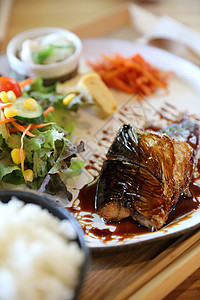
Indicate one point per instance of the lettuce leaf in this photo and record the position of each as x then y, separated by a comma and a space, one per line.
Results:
49, 153
75, 169
47, 96
9, 172
38, 86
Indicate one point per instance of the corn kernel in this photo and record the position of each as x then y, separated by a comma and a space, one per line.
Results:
4, 97
30, 104
10, 112
11, 96
68, 99
28, 175
15, 155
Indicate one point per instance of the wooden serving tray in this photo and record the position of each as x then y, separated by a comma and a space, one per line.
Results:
151, 271
147, 272
5, 8
125, 22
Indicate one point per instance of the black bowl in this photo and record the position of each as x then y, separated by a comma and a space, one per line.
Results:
59, 212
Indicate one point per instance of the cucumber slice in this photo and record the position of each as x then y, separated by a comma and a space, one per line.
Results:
27, 116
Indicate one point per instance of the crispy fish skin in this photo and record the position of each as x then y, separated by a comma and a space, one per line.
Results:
188, 132
144, 175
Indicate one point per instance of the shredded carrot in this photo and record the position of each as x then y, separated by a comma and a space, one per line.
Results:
8, 132
120, 84
33, 126
5, 105
23, 129
48, 110
132, 75
3, 120
25, 82
7, 129
21, 148
14, 129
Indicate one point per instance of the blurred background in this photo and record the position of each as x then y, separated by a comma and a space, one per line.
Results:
110, 18
19, 15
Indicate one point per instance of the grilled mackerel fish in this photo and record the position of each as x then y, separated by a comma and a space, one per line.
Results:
146, 172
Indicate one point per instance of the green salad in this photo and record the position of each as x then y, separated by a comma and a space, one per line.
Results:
35, 132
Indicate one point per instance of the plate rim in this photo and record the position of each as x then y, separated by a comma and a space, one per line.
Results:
180, 61
173, 57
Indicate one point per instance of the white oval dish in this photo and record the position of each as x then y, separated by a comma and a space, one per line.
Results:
48, 71
184, 94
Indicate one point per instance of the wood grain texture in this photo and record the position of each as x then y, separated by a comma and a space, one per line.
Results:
109, 271
144, 272
67, 14
5, 10
188, 289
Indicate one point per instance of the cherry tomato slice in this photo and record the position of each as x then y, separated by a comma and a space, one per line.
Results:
10, 84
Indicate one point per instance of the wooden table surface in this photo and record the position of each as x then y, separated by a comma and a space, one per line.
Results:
67, 14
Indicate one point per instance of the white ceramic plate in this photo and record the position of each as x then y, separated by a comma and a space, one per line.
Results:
184, 94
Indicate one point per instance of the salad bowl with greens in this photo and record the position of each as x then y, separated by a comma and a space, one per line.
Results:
35, 145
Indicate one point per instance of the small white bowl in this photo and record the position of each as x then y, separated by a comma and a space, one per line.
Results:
59, 70
61, 213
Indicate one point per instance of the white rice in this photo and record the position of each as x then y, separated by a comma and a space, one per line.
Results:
37, 259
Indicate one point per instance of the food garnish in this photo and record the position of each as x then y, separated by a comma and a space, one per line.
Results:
10, 84
34, 149
105, 102
47, 49
132, 75
152, 171
25, 82
50, 97
41, 56
94, 89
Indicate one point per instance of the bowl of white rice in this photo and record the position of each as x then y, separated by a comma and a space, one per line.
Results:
43, 254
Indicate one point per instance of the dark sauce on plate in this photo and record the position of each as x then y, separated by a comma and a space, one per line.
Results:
128, 227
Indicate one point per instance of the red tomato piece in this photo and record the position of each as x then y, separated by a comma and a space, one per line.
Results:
10, 84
